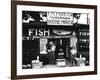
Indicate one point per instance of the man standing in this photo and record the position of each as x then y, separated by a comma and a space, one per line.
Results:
73, 55
51, 52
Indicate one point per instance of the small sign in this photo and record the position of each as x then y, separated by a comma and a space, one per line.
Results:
59, 18
43, 43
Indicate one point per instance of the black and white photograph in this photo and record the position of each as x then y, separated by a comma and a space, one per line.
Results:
52, 40
55, 39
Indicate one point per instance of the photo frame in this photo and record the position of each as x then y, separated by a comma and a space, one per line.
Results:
52, 39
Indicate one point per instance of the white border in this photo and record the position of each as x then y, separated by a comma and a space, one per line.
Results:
21, 71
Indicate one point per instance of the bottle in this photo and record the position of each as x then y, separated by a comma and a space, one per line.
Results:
37, 61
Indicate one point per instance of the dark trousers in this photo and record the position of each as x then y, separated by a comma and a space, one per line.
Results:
73, 61
52, 57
